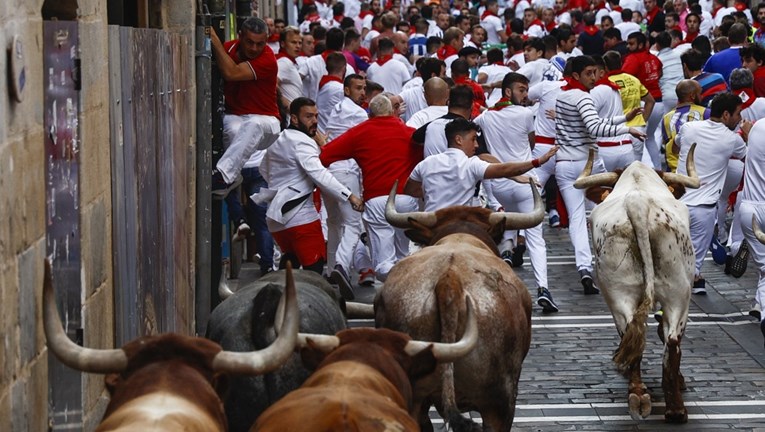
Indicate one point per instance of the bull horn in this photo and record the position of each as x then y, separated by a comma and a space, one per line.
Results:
359, 310
224, 291
401, 220
325, 343
692, 179
587, 180
522, 220
69, 353
757, 231
268, 359
449, 352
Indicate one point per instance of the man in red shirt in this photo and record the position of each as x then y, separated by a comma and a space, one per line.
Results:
646, 67
251, 122
461, 76
383, 148
753, 58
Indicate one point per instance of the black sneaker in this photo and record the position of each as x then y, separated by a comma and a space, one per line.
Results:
340, 277
589, 285
517, 257
221, 189
507, 257
699, 287
658, 315
736, 265
762, 328
756, 311
545, 300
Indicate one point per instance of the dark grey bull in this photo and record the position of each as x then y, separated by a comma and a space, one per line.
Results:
245, 320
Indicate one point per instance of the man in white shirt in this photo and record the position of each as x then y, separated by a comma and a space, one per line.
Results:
292, 168
437, 95
453, 43
315, 67
495, 70
532, 25
493, 24
330, 88
536, 63
715, 143
389, 73
627, 27
742, 84
672, 70
616, 153
432, 134
414, 96
344, 225
508, 128
290, 83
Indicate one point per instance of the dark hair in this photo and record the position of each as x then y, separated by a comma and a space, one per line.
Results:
461, 96
640, 37
460, 67
579, 63
433, 41
675, 34
693, 59
349, 79
675, 16
318, 32
336, 63
722, 103
516, 25
385, 44
254, 25
535, 43
458, 126
612, 60
431, 67
427, 12
494, 55
374, 87
421, 26
576, 15
347, 23
551, 44
664, 40
351, 35
607, 18
598, 61
737, 34
512, 78
627, 15
589, 19
461, 18
516, 42
612, 33
280, 21
693, 14
338, 8
563, 34
755, 52
335, 39
299, 103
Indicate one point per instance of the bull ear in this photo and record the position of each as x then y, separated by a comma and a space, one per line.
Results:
597, 194
419, 233
312, 355
496, 231
112, 381
422, 364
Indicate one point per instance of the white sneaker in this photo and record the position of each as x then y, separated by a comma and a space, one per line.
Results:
242, 231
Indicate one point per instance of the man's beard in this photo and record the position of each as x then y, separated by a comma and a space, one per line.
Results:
311, 132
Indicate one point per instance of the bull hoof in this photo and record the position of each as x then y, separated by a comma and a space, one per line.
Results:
676, 416
640, 406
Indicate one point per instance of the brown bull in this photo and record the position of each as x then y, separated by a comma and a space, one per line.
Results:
362, 380
424, 297
167, 382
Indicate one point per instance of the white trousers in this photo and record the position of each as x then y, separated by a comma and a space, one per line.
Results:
732, 180
651, 144
547, 169
744, 216
702, 228
517, 197
344, 225
247, 134
387, 244
566, 173
617, 157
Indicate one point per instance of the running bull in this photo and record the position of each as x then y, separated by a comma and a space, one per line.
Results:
643, 254
362, 380
424, 296
169, 381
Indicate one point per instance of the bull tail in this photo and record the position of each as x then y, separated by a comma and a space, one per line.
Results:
451, 306
633, 341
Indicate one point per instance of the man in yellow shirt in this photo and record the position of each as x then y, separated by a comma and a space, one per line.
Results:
688, 108
633, 92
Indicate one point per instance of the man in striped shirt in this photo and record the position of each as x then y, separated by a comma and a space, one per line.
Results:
576, 125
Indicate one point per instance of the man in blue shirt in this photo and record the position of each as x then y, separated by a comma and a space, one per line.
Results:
726, 60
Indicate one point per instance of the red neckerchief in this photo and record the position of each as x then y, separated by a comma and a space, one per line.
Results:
740, 6
274, 37
690, 37
329, 78
759, 72
747, 96
715, 10
550, 26
614, 72
616, 8
572, 84
445, 52
313, 17
607, 82
650, 15
338, 18
284, 54
537, 22
487, 13
384, 59
500, 63
326, 54
501, 103
365, 13
677, 27
591, 30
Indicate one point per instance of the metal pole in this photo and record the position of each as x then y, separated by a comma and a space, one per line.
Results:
203, 275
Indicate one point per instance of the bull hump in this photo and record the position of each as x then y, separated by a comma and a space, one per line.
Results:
160, 411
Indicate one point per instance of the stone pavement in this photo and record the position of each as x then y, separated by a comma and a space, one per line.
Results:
569, 382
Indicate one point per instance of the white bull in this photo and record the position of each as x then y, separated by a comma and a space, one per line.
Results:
643, 254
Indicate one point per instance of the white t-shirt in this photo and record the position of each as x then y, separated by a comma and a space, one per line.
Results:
754, 172
546, 93
627, 28
311, 70
414, 98
290, 83
426, 115
329, 95
392, 75
534, 70
507, 132
715, 145
449, 178
756, 110
608, 104
344, 116
493, 25
414, 82
435, 137
494, 73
